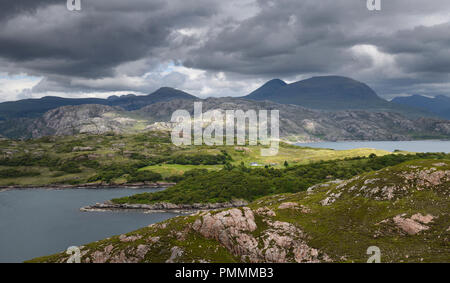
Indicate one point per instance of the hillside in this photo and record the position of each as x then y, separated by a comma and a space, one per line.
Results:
296, 123
72, 120
267, 91
33, 108
247, 183
402, 210
137, 102
301, 124
329, 93
439, 105
134, 159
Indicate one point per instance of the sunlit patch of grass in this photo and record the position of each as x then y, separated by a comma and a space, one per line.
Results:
167, 170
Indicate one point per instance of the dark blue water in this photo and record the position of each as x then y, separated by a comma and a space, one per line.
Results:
414, 146
39, 222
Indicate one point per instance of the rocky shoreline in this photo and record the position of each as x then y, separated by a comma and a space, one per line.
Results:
91, 186
162, 207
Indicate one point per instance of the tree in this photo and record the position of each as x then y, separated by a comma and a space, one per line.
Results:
286, 164
228, 166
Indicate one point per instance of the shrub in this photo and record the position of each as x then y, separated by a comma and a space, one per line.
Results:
70, 167
14, 173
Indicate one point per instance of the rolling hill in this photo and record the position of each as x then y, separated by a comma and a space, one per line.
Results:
32, 108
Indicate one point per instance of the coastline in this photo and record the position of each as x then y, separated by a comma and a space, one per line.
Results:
162, 207
90, 186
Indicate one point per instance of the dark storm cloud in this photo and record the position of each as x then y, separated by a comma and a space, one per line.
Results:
288, 38
285, 38
9, 9
402, 49
97, 39
305, 36
422, 49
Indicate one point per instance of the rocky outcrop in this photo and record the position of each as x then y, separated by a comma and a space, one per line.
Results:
424, 179
413, 225
88, 119
109, 255
286, 205
423, 219
295, 206
176, 253
376, 186
408, 225
161, 126
279, 242
163, 206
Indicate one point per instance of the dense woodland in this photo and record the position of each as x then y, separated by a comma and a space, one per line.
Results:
241, 182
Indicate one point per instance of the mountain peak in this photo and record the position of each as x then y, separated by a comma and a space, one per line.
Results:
275, 82
322, 92
165, 88
267, 89
323, 82
168, 92
332, 77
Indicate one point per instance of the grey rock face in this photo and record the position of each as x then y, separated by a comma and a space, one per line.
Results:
92, 119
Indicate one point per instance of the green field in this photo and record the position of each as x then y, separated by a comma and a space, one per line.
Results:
116, 159
167, 170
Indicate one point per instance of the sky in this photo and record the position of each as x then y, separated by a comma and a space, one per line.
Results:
220, 48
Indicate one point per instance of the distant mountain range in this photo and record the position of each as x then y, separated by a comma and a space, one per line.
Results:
32, 108
320, 108
439, 105
332, 93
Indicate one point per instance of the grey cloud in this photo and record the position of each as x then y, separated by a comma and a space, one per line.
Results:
261, 40
10, 9
321, 37
91, 43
